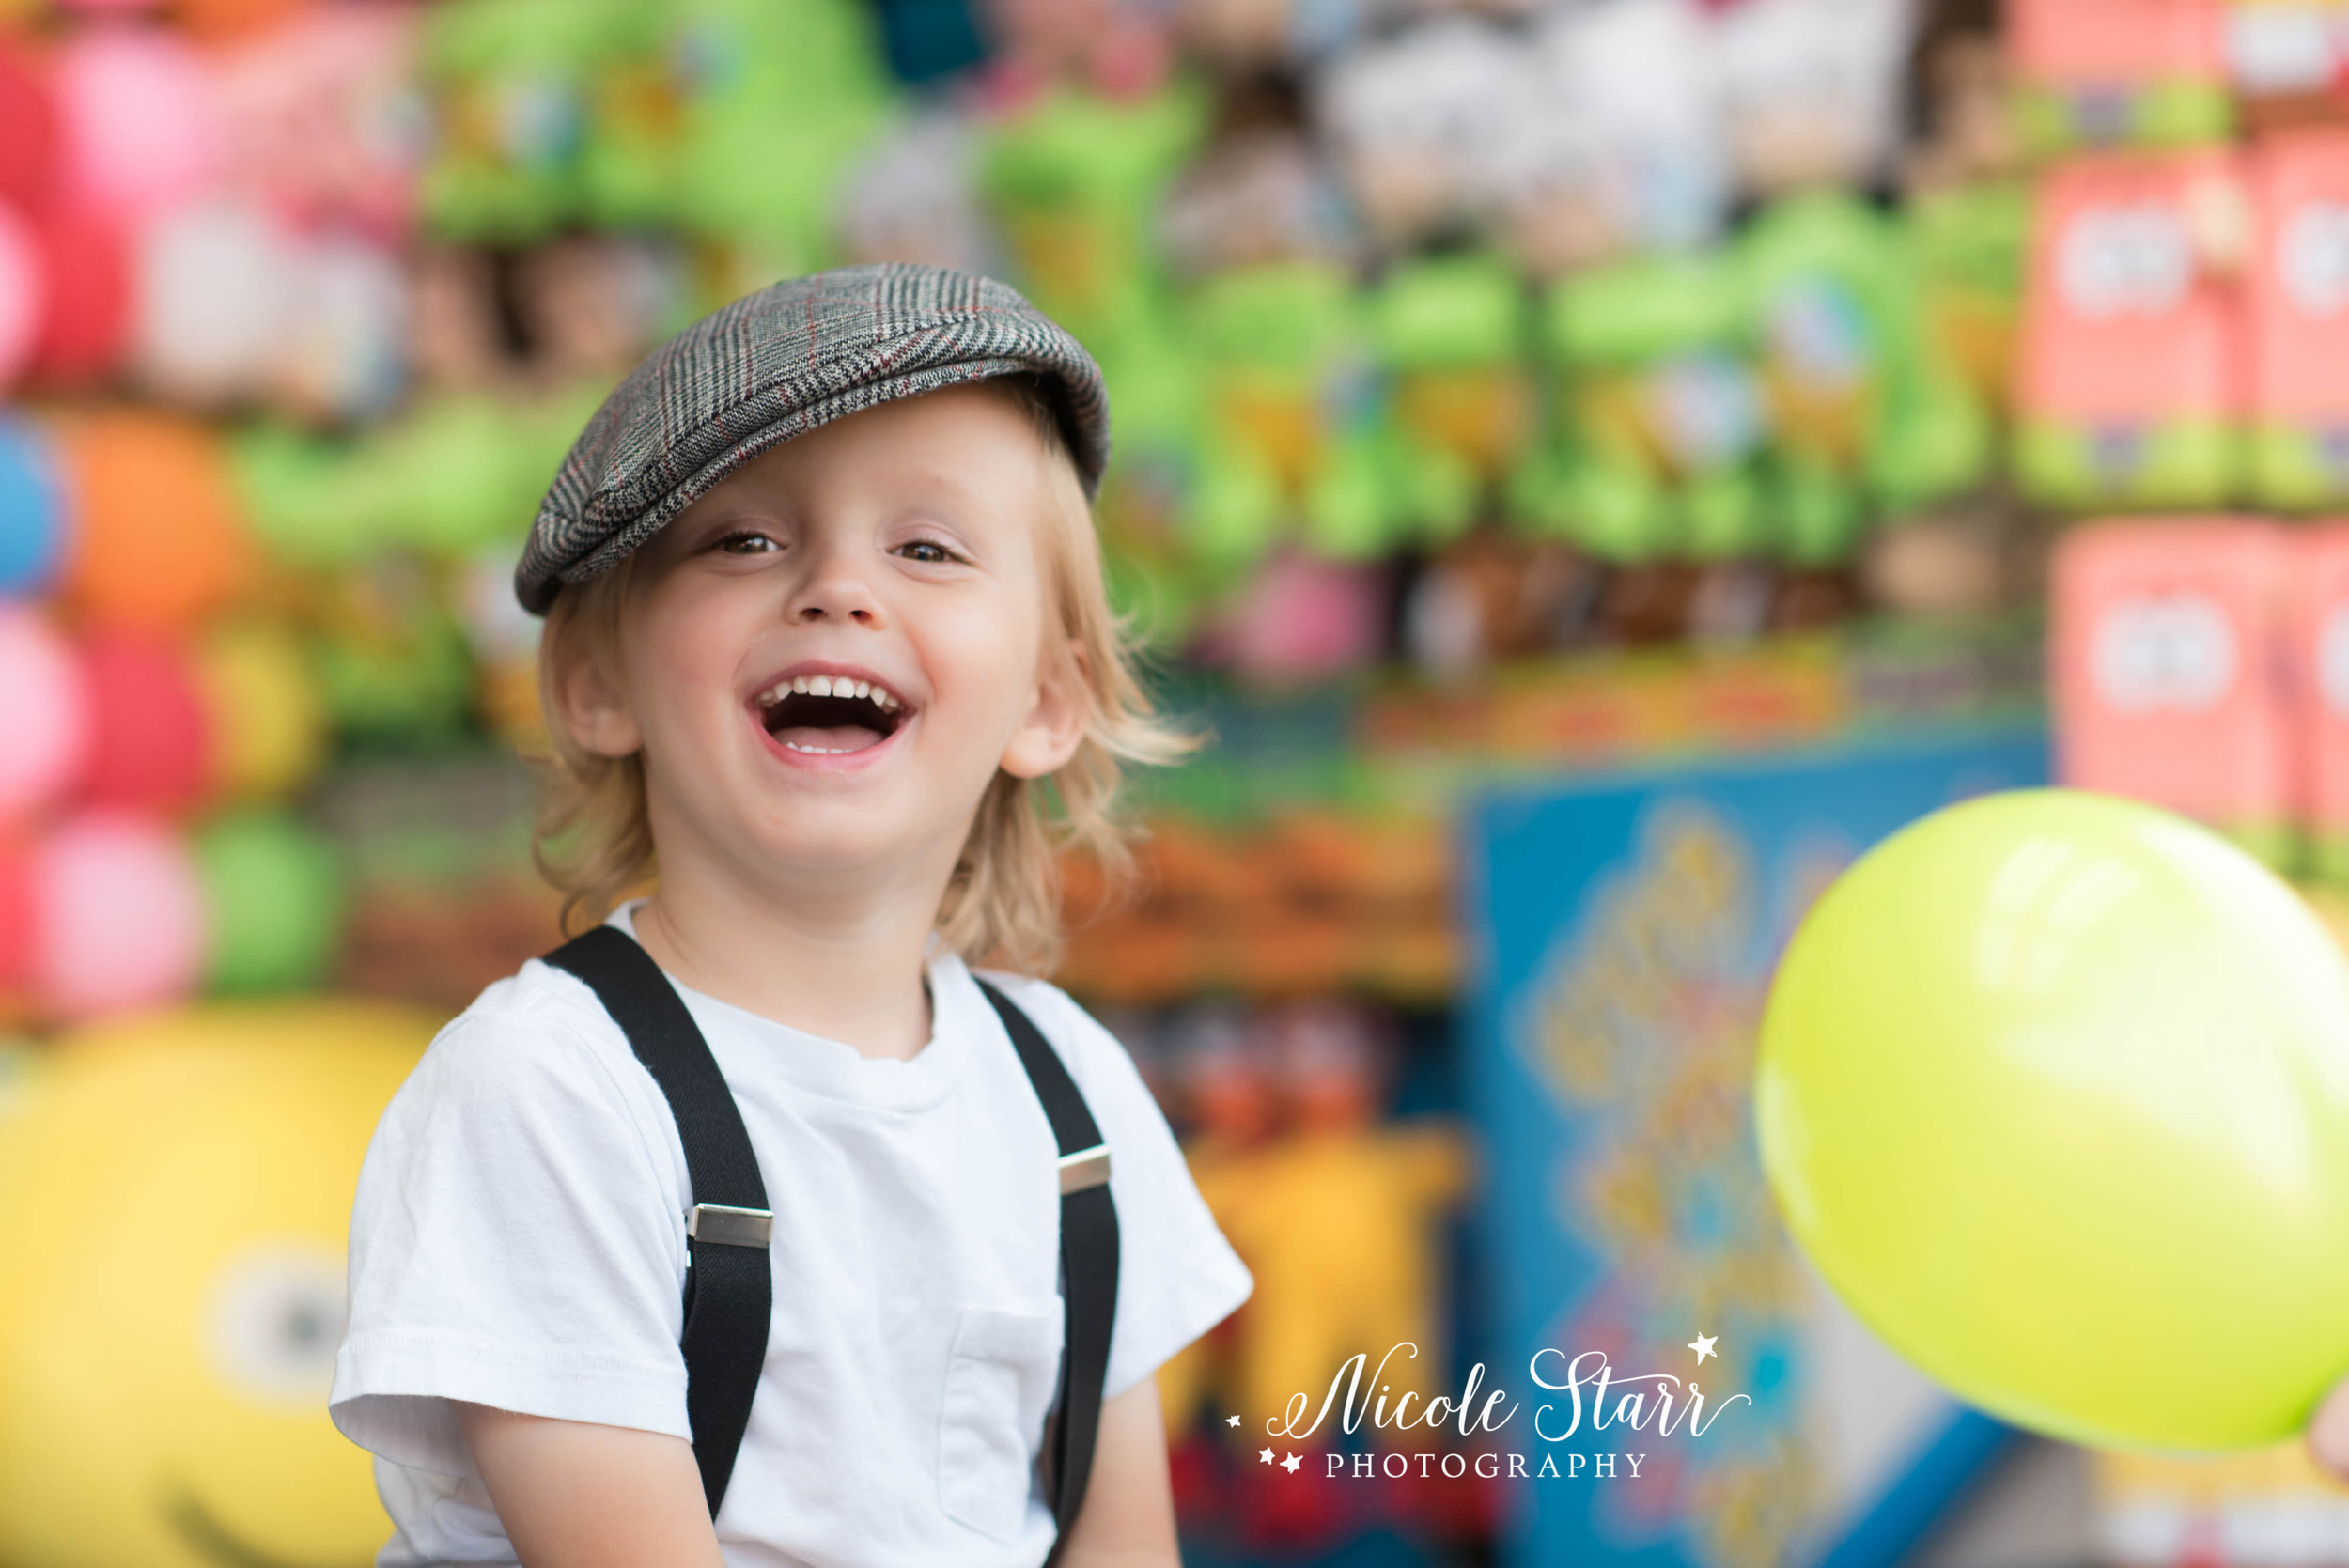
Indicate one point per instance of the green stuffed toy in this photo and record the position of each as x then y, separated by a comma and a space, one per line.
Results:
776, 101
1851, 385
1658, 417
513, 85
1074, 185
1454, 337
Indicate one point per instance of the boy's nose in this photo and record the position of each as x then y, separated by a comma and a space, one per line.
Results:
834, 587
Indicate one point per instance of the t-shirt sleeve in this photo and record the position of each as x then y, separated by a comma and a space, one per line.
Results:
517, 1241
1177, 1276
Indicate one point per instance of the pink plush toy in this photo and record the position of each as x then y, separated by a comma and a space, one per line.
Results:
43, 693
1306, 617
23, 295
28, 126
139, 121
118, 917
321, 116
16, 925
88, 295
149, 748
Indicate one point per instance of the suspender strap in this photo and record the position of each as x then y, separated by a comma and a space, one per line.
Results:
729, 1285
1088, 1255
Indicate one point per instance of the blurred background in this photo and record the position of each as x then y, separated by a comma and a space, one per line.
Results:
1594, 468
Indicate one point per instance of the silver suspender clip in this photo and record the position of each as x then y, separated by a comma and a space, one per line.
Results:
728, 1227
1085, 1168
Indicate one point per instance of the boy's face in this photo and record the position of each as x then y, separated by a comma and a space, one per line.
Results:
898, 546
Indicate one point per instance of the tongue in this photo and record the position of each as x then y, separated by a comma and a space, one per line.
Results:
836, 738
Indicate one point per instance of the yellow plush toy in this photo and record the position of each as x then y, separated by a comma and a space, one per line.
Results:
176, 1193
1337, 1220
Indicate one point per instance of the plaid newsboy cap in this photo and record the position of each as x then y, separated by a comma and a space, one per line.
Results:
775, 365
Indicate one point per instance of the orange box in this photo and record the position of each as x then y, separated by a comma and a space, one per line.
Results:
2298, 313
2171, 674
2118, 72
2130, 377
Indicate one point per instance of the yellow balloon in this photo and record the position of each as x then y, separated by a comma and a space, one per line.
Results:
2054, 1090
269, 722
175, 1193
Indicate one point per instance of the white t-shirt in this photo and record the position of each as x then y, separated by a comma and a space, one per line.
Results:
518, 1241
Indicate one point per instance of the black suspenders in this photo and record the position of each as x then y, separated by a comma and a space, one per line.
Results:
1088, 1257
729, 1285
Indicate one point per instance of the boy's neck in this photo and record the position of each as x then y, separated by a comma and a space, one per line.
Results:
863, 984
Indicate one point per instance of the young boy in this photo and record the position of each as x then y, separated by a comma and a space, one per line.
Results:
824, 608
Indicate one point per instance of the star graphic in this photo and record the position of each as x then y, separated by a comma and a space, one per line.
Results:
1703, 1346
1290, 1464
1264, 1457
1231, 1421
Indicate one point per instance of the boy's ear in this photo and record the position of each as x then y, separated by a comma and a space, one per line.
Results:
1055, 727
595, 709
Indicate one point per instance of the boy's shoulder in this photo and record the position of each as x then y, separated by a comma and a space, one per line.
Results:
1054, 1011
536, 1022
1095, 1056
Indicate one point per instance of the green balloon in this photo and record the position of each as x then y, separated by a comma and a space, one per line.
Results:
312, 502
274, 898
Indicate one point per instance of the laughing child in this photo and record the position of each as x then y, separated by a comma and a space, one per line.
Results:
825, 611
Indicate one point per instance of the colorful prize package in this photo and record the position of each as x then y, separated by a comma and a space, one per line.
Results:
2170, 681
2297, 305
2288, 59
2166, 1510
2118, 73
2129, 381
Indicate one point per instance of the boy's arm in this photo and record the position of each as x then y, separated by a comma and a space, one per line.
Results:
574, 1495
1128, 1521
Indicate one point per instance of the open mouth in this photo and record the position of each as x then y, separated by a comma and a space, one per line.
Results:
825, 716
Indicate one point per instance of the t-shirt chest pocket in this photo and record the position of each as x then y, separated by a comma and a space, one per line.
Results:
1001, 1375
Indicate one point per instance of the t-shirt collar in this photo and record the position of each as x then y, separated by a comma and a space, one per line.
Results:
746, 1041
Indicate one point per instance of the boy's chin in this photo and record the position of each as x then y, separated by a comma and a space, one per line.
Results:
834, 834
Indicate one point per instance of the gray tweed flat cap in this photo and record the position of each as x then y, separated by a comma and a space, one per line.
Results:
772, 366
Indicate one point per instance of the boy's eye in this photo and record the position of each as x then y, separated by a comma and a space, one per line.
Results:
942, 554
746, 543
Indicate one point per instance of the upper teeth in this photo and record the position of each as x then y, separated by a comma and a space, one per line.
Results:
833, 686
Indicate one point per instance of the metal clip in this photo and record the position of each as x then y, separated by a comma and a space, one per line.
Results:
1085, 1168
730, 1227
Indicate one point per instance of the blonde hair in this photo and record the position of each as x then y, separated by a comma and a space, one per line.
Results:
593, 840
